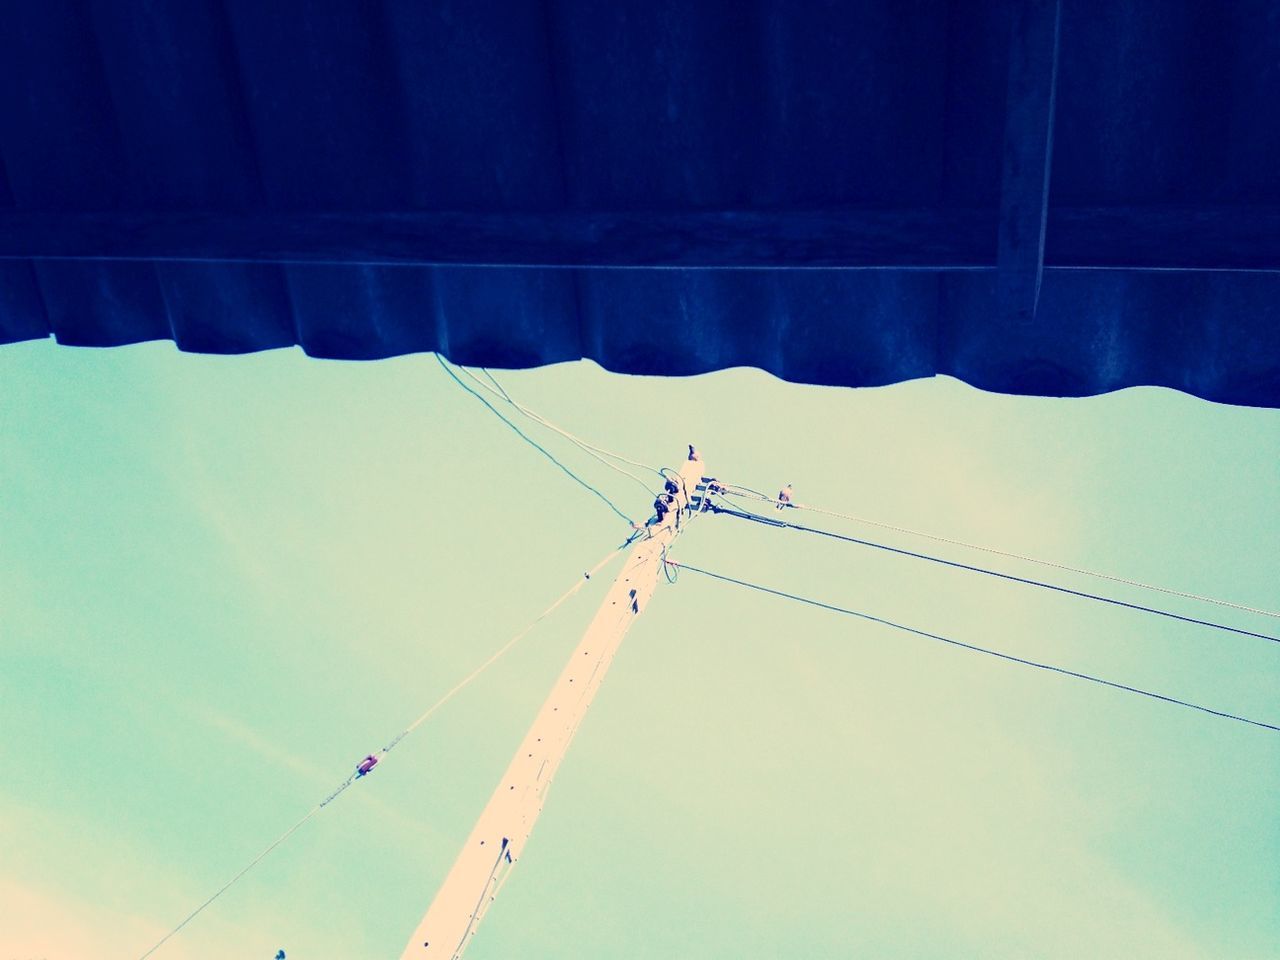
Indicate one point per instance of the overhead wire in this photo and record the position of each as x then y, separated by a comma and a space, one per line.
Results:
976, 649
252, 863
562, 431
533, 443
589, 448
600, 453
494, 380
419, 721
782, 524
501, 651
739, 490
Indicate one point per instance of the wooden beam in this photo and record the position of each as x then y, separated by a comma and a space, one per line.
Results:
1164, 238
1027, 157
727, 239
498, 840
1112, 238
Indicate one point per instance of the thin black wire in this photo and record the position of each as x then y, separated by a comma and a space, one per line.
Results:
747, 515
421, 719
976, 649
250, 865
762, 496
529, 440
733, 490
494, 380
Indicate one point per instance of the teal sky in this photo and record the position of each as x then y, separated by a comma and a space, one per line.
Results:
224, 580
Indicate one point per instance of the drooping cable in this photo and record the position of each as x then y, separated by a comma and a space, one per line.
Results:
529, 440
782, 524
976, 649
563, 432
494, 380
501, 651
251, 864
588, 448
739, 490
421, 719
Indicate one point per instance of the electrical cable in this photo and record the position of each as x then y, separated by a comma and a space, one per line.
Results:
747, 515
533, 443
503, 649
501, 389
252, 863
586, 448
589, 448
734, 489
422, 718
976, 649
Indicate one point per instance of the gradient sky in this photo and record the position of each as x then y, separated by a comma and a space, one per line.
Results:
224, 580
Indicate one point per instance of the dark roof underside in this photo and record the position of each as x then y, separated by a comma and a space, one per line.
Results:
1035, 200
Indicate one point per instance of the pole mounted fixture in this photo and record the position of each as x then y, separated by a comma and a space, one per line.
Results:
497, 842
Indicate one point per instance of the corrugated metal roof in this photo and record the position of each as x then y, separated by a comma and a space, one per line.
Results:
845, 193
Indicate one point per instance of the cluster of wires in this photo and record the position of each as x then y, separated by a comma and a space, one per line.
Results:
606, 457
479, 386
731, 490
735, 490
393, 743
534, 444
748, 493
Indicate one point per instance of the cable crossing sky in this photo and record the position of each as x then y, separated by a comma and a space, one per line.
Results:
784, 525
972, 647
391, 744
686, 494
737, 490
533, 443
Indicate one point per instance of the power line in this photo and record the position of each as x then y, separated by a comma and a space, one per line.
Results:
976, 649
576, 439
494, 380
426, 715
739, 490
588, 448
529, 440
782, 524
585, 447
422, 718
252, 863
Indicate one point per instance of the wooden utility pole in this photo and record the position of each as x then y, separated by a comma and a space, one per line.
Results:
500, 834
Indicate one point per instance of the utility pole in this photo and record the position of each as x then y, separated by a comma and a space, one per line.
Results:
500, 834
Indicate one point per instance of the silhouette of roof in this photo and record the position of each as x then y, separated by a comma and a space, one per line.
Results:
1035, 197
